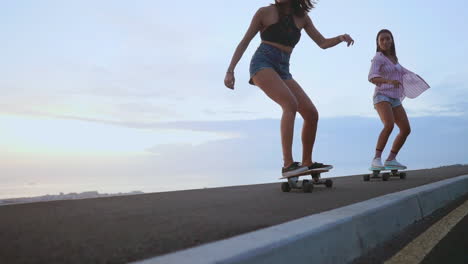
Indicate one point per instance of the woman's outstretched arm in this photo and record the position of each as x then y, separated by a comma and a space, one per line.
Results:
253, 29
321, 41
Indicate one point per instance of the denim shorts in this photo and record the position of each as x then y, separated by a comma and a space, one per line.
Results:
268, 56
383, 98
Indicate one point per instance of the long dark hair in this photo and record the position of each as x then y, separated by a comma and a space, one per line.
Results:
392, 51
299, 7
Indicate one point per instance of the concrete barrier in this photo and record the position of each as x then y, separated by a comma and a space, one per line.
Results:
336, 236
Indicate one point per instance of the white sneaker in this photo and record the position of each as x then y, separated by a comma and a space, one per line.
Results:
377, 163
394, 164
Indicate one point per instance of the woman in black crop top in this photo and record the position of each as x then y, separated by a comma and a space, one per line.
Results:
280, 25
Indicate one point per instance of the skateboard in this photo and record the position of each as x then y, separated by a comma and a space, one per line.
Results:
393, 172
306, 185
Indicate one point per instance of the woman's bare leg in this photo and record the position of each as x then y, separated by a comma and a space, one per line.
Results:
401, 120
310, 115
386, 116
275, 88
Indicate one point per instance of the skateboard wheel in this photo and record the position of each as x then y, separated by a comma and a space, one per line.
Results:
366, 177
329, 183
403, 175
375, 174
307, 186
385, 176
285, 187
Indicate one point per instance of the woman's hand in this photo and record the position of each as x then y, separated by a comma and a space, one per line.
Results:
395, 83
347, 38
229, 80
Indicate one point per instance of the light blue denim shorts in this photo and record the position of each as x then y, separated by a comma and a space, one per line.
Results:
383, 98
268, 56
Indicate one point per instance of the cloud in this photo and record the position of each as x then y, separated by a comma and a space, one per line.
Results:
348, 143
127, 64
249, 152
449, 97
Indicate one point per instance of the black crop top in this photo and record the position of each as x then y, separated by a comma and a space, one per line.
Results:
283, 32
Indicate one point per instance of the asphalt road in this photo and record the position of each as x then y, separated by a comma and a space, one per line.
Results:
123, 229
451, 249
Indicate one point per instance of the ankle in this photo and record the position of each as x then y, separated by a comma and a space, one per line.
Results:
378, 153
392, 155
288, 164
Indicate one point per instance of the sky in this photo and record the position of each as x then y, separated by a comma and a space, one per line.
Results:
128, 95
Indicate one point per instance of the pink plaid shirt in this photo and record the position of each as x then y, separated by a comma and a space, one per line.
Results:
412, 85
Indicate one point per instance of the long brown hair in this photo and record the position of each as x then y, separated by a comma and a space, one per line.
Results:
299, 7
392, 51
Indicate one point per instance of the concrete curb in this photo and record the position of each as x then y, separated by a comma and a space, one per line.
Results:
336, 236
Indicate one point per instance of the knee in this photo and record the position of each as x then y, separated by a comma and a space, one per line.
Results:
291, 106
388, 128
311, 116
406, 131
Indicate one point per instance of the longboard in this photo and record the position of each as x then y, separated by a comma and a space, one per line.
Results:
306, 185
389, 172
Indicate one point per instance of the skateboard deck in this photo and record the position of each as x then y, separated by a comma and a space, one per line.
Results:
309, 172
306, 185
391, 172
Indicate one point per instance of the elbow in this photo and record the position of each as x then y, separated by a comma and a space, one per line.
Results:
372, 78
323, 45
243, 44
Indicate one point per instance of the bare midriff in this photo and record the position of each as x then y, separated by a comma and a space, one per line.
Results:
279, 46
